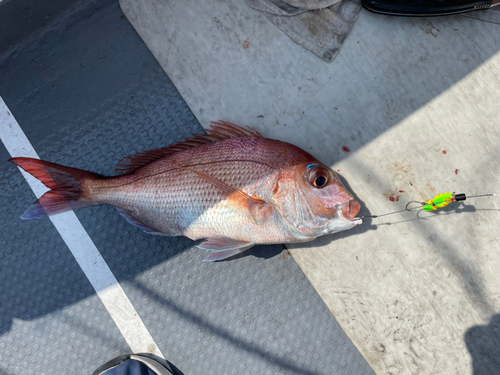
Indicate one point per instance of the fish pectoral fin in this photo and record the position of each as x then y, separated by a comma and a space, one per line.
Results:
224, 247
259, 209
135, 222
227, 189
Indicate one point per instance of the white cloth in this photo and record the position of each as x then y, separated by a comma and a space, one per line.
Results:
320, 26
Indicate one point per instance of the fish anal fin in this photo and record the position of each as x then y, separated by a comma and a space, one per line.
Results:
219, 131
137, 223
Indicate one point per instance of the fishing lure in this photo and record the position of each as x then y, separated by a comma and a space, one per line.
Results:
439, 201
442, 200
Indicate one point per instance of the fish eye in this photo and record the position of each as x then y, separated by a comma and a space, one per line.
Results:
318, 176
320, 181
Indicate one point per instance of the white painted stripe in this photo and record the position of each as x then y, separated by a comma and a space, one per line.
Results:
80, 244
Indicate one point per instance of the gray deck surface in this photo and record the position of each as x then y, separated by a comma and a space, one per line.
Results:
87, 92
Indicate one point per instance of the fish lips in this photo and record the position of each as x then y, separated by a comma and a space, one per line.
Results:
340, 222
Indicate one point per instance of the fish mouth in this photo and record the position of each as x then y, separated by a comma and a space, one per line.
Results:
345, 218
353, 222
350, 209
356, 221
349, 212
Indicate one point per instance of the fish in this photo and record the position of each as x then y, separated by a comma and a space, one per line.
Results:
232, 188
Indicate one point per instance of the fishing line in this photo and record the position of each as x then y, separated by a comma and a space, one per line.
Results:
439, 201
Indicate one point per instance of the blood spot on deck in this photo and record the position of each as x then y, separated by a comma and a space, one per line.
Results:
246, 44
410, 183
392, 197
431, 188
456, 171
444, 152
401, 191
346, 149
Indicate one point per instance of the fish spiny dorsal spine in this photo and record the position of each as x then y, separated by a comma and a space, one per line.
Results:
219, 131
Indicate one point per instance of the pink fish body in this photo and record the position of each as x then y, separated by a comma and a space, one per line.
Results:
232, 187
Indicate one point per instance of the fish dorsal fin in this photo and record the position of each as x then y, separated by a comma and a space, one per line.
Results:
219, 130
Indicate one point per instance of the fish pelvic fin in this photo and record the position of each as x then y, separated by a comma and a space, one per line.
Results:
67, 184
219, 131
223, 248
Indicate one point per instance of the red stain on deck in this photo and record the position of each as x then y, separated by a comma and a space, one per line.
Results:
401, 191
246, 44
346, 149
444, 152
411, 183
456, 171
392, 197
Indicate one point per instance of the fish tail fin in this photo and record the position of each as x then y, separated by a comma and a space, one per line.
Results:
67, 184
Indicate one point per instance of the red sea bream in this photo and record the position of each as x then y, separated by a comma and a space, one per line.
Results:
232, 187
